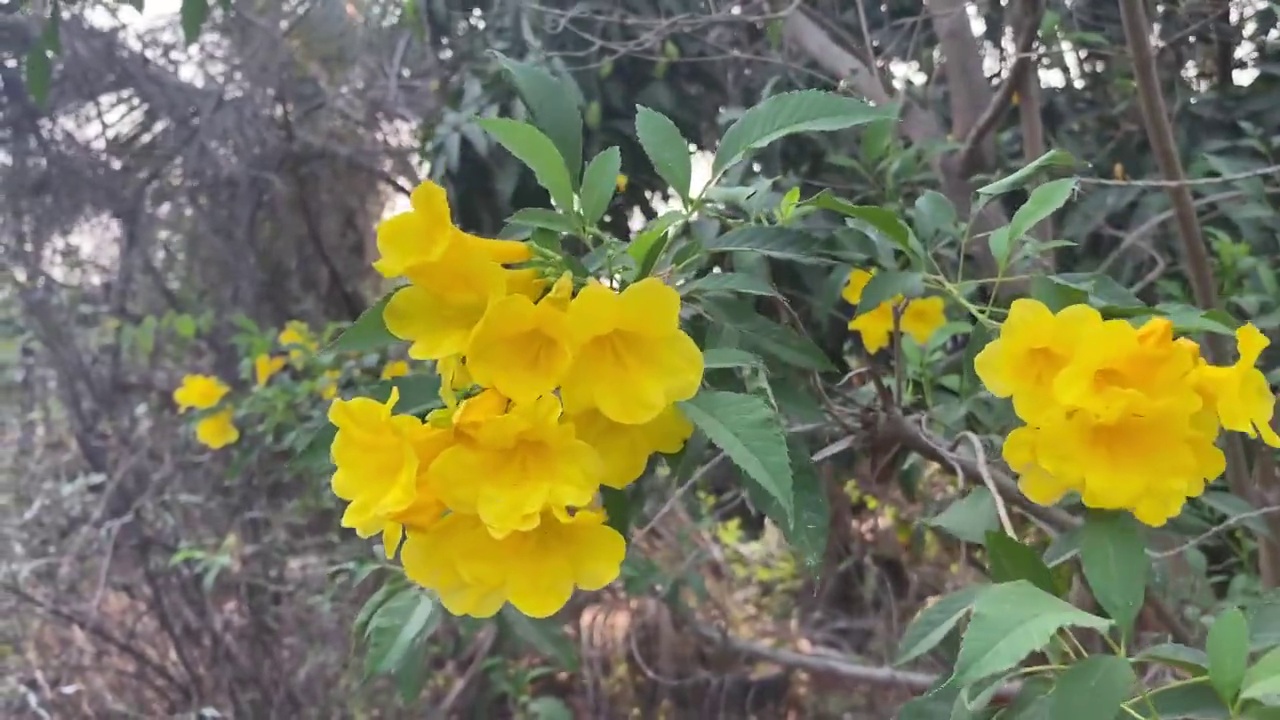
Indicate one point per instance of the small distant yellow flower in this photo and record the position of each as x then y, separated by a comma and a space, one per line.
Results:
199, 392
631, 359
264, 366
921, 317
394, 369
329, 384
296, 337
521, 349
621, 183
217, 430
626, 449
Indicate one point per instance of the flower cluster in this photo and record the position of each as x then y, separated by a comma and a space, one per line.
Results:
1125, 416
496, 496
205, 392
920, 318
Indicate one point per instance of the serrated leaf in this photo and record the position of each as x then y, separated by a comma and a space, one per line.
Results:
729, 358
969, 518
667, 149
787, 114
887, 284
598, 183
647, 246
1011, 560
368, 332
1184, 658
194, 14
1044, 201
772, 241
533, 148
1011, 621
750, 434
1053, 158
1113, 556
1094, 687
1228, 650
933, 623
873, 219
554, 107
406, 618
728, 282
811, 521
768, 337
1263, 678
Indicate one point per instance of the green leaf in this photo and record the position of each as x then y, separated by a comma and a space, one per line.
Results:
1228, 649
787, 114
371, 606
750, 433
548, 707
969, 518
1044, 201
647, 246
1054, 295
1234, 507
932, 624
369, 331
1184, 658
418, 393
598, 184
728, 282
531, 147
729, 358
194, 14
1063, 547
617, 508
1184, 702
885, 284
405, 619
1113, 555
1263, 678
1095, 687
1011, 560
1264, 623
1010, 621
1001, 243
812, 517
546, 637
934, 213
667, 149
1053, 158
554, 107
39, 73
544, 218
872, 219
772, 241
768, 337
1188, 320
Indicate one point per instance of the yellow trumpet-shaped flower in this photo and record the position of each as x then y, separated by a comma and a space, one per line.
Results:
517, 465
217, 430
1240, 393
438, 311
394, 369
265, 366
536, 571
199, 392
920, 318
631, 359
625, 449
522, 349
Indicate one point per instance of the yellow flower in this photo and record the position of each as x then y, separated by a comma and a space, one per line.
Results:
296, 336
920, 319
631, 359
1240, 393
522, 349
199, 392
516, 465
875, 327
217, 430
394, 369
426, 234
329, 384
625, 449
526, 281
264, 366
536, 571
381, 462
441, 307
621, 183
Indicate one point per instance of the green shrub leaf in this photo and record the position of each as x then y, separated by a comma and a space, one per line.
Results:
1095, 687
1113, 555
886, 284
534, 149
666, 147
970, 518
554, 107
1011, 560
369, 331
750, 434
1228, 649
772, 241
598, 184
728, 282
933, 623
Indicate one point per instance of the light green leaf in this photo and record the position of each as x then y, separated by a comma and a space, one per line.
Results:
1187, 319
1263, 678
1011, 560
1001, 243
1113, 555
598, 184
368, 332
647, 246
933, 623
872, 219
787, 114
979, 338
534, 149
805, 528
1044, 201
544, 218
969, 518
1228, 649
1011, 621
728, 282
729, 358
405, 619
750, 433
771, 240
1184, 658
1095, 687
886, 284
667, 149
1053, 158
1184, 702
194, 14
934, 213
554, 107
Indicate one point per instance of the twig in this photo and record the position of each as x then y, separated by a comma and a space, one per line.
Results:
679, 493
980, 456
1186, 182
1224, 525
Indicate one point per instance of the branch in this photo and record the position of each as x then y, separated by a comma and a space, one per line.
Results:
968, 88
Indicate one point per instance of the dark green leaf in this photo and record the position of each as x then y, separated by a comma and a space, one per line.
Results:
1044, 201
768, 337
418, 393
728, 282
1064, 547
1094, 687
617, 508
598, 184
729, 358
546, 637
666, 147
1228, 649
1001, 243
773, 241
554, 107
750, 434
1011, 560
1263, 678
1235, 507
647, 246
544, 218
39, 72
530, 146
887, 284
933, 623
1183, 702
979, 338
194, 14
812, 512
1184, 658
1053, 158
969, 518
934, 214
787, 114
368, 332
1113, 555
1056, 296
873, 220
548, 707
407, 618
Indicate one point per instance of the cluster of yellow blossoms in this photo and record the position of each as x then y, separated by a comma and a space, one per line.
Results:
204, 392
496, 496
1126, 416
920, 317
